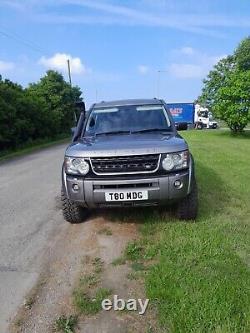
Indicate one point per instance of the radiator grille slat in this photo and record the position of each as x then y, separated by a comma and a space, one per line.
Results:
125, 164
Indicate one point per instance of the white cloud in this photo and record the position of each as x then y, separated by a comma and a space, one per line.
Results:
201, 63
186, 71
102, 12
157, 13
145, 15
6, 66
59, 62
187, 50
142, 69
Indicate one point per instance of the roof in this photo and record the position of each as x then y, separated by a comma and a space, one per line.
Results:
128, 102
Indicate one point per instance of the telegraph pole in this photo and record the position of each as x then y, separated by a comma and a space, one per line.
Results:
69, 72
70, 82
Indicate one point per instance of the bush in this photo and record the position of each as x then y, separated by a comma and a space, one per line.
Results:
43, 110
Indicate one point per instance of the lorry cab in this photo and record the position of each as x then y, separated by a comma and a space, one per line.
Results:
204, 118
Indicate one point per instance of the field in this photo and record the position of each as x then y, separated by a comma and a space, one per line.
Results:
199, 273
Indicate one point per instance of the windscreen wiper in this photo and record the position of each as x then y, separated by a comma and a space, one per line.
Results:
152, 130
113, 132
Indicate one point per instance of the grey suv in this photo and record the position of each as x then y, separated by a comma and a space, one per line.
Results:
128, 153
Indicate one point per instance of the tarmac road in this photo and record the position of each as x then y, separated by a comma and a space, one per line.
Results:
30, 217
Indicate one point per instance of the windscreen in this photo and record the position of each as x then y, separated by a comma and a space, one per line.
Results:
127, 118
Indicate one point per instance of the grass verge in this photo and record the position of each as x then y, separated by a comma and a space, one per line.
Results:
33, 146
88, 295
87, 298
66, 324
87, 304
200, 277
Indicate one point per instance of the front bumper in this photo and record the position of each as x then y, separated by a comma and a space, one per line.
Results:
161, 190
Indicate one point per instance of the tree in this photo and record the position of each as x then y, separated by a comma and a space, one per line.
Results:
227, 87
58, 99
15, 126
43, 110
242, 55
215, 80
233, 101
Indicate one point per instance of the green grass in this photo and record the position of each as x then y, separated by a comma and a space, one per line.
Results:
98, 265
132, 276
66, 324
138, 266
119, 261
33, 146
200, 279
89, 280
90, 305
87, 295
105, 231
223, 124
133, 250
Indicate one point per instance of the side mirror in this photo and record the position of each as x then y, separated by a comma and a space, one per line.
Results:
80, 107
183, 126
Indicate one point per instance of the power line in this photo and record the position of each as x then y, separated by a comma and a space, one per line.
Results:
31, 45
21, 40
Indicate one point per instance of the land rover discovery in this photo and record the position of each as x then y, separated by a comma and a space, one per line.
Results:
128, 153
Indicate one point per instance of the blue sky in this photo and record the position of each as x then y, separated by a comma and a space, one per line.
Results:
116, 48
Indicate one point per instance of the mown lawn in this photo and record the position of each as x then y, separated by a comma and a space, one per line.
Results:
200, 279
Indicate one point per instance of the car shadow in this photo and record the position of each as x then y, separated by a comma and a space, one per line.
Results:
214, 193
127, 214
214, 196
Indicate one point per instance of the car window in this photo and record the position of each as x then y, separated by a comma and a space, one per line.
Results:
127, 118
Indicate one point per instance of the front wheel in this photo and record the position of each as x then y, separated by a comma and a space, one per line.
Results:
187, 209
199, 126
72, 212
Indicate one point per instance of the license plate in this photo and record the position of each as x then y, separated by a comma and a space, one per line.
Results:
126, 195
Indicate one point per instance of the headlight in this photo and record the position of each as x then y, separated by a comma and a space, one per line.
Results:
76, 166
175, 161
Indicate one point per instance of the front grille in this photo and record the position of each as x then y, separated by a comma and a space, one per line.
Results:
125, 164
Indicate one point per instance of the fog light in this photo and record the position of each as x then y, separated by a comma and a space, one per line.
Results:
75, 187
178, 183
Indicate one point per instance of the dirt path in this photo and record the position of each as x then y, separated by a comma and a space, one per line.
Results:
68, 258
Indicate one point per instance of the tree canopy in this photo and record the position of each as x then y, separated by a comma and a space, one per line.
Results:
226, 90
242, 55
42, 110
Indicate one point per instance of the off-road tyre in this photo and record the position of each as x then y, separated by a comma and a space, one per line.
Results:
187, 209
72, 212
